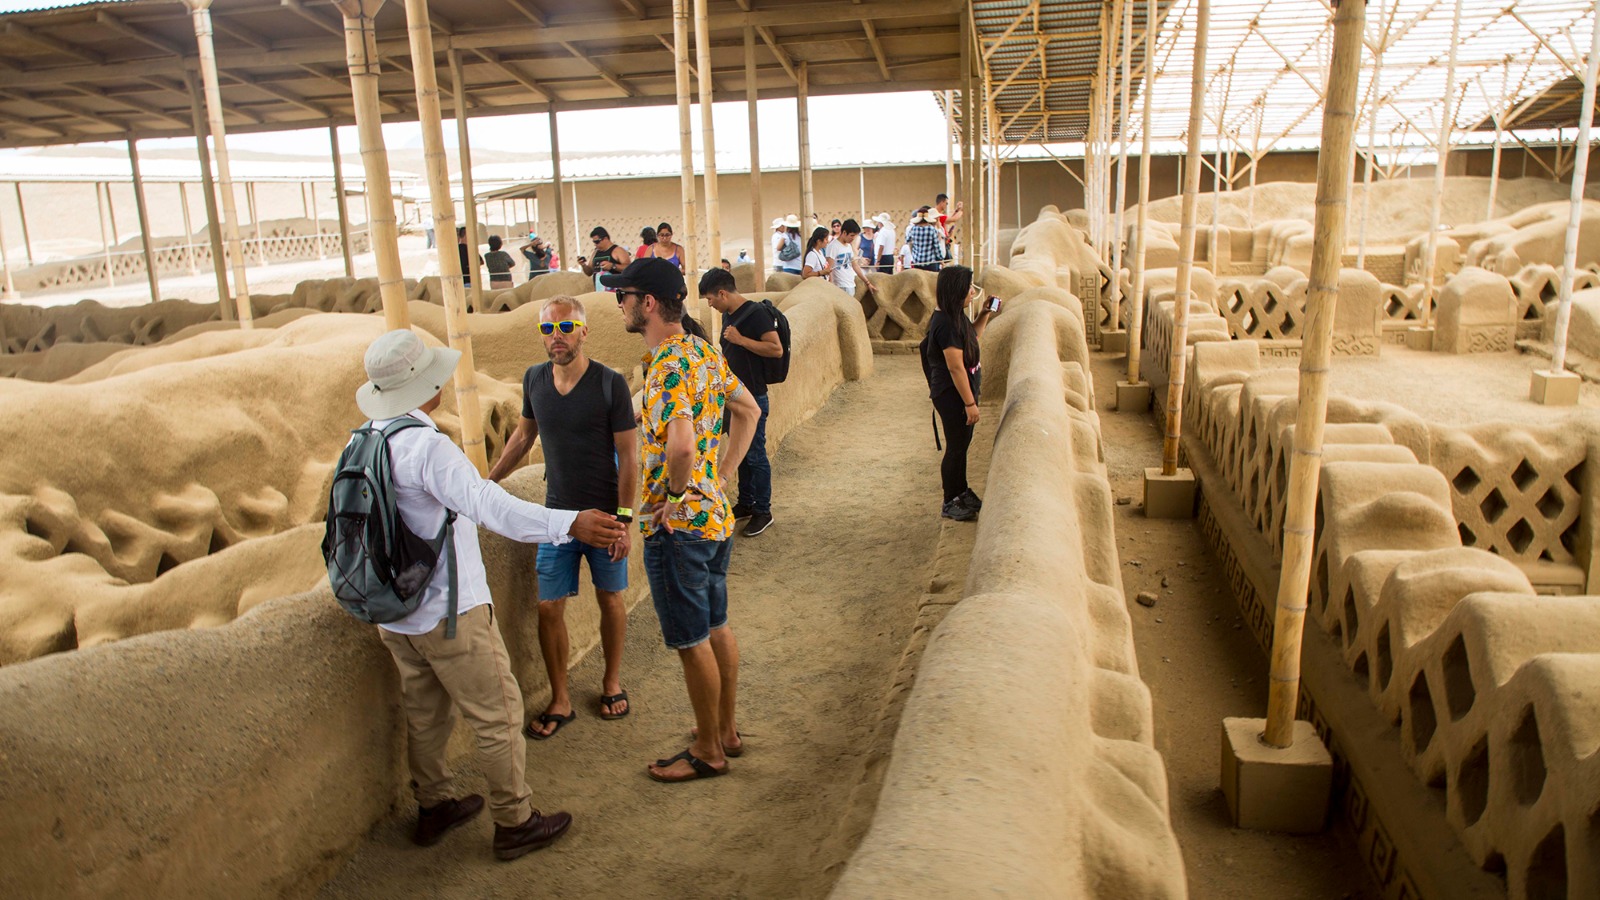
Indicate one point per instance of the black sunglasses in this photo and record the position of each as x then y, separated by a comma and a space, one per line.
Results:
623, 292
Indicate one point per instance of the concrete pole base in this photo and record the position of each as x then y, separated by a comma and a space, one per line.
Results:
1133, 396
1114, 341
1419, 338
1169, 496
1269, 789
1555, 388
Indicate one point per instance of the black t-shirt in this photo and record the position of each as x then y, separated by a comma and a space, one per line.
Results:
754, 321
580, 461
941, 335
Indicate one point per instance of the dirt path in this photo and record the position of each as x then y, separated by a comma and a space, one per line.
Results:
1201, 665
823, 605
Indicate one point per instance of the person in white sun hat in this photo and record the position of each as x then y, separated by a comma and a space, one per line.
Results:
778, 232
885, 242
472, 670
790, 250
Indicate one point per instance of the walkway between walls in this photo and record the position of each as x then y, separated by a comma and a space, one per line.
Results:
1202, 665
823, 605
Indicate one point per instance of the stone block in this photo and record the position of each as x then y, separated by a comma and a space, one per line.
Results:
1269, 789
1418, 338
1114, 341
1169, 496
1477, 313
1133, 396
1358, 317
1555, 388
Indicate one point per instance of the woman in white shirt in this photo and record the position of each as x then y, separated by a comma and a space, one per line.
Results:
885, 243
817, 263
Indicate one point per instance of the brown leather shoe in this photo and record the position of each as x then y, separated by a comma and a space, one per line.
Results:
434, 821
538, 832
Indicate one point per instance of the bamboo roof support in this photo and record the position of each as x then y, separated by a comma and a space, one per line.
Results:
457, 326
680, 46
1299, 531
759, 231
803, 110
1136, 315
1430, 262
143, 211
1183, 295
22, 217
949, 147
340, 205
561, 206
708, 143
469, 198
105, 242
1117, 236
255, 221
1580, 175
188, 230
1374, 100
200, 10
219, 259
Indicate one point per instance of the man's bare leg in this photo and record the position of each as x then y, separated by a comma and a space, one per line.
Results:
553, 645
705, 688
726, 649
613, 634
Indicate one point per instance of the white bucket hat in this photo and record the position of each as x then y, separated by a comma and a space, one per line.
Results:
778, 222
792, 221
883, 218
405, 373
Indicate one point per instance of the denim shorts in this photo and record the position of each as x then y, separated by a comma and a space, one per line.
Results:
689, 584
558, 569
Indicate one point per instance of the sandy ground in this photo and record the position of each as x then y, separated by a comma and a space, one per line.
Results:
1202, 665
823, 605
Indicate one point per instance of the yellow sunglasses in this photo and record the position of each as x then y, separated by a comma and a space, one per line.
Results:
567, 326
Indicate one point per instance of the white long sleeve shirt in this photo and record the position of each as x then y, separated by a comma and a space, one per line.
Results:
432, 475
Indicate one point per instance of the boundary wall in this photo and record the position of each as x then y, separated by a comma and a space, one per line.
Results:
1074, 802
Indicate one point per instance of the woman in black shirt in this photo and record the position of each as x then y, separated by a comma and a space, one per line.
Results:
950, 360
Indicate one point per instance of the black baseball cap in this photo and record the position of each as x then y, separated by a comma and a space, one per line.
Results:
652, 275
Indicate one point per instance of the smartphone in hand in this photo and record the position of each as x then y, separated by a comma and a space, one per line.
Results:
992, 304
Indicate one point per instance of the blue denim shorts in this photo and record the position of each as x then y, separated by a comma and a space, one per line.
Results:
558, 569
689, 584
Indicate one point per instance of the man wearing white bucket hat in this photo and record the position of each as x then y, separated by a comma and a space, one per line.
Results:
471, 670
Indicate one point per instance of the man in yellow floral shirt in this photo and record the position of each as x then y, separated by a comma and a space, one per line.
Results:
686, 521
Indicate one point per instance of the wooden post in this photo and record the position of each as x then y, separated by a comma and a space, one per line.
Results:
383, 233
1182, 294
305, 202
105, 242
1372, 140
561, 207
1430, 263
968, 129
22, 216
1122, 162
316, 220
469, 197
1299, 531
188, 229
759, 232
1136, 315
255, 220
949, 145
5, 264
680, 54
702, 46
807, 198
1580, 176
339, 203
214, 229
459, 328
144, 223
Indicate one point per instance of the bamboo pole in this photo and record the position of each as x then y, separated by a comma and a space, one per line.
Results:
758, 227
255, 221
105, 242
316, 219
807, 205
1372, 142
383, 232
1580, 176
188, 229
305, 202
111, 214
459, 328
561, 207
143, 213
680, 54
5, 263
1122, 164
1299, 532
469, 198
969, 179
340, 204
1136, 315
22, 216
949, 145
1183, 295
219, 259
1430, 263
708, 142
1255, 166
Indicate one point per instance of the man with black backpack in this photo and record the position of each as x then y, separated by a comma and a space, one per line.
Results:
755, 342
431, 602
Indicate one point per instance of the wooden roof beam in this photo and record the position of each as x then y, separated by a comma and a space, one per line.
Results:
635, 7
52, 43
315, 19
532, 13
143, 37
223, 27
149, 109
778, 51
694, 69
288, 97
493, 59
21, 122
877, 48
603, 71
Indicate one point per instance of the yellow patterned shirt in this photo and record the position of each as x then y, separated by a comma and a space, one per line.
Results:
687, 379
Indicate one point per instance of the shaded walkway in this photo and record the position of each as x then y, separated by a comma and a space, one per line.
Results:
823, 605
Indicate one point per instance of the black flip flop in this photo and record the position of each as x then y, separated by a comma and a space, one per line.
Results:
545, 719
612, 700
702, 769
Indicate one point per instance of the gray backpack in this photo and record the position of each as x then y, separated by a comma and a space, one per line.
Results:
377, 566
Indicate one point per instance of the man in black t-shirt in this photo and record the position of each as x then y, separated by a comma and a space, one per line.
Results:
750, 333
584, 412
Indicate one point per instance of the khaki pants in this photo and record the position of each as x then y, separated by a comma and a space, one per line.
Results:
472, 671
